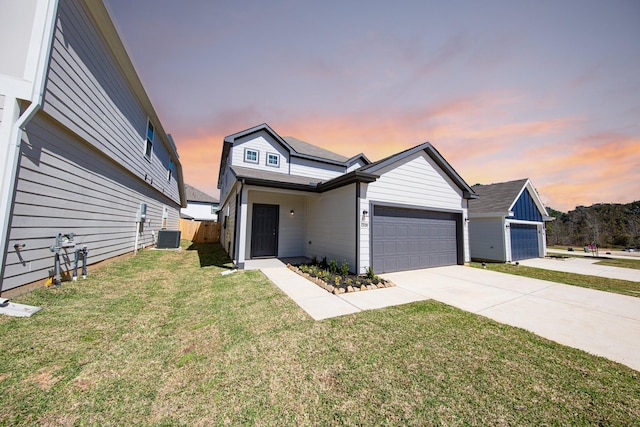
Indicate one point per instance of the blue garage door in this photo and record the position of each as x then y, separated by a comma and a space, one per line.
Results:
524, 241
409, 239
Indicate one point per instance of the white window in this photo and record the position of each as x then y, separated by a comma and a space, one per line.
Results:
148, 148
170, 171
251, 156
273, 160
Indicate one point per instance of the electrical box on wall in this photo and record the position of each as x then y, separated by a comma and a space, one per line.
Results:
142, 212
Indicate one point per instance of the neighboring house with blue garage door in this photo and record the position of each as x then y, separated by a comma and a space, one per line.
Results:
507, 222
282, 197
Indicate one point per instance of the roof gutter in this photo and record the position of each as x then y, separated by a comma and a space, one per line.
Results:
47, 19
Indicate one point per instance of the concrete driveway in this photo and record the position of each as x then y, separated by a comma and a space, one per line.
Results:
600, 323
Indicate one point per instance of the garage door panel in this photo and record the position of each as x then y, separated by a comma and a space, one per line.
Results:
524, 241
406, 239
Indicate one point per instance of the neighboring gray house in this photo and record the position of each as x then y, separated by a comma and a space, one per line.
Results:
282, 197
200, 205
507, 222
81, 146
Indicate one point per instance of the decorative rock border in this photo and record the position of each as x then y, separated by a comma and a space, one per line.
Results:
339, 289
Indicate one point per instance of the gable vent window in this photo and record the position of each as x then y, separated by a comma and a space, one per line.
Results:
251, 156
170, 170
273, 160
148, 148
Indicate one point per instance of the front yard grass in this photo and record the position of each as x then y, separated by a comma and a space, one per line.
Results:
163, 339
619, 262
623, 287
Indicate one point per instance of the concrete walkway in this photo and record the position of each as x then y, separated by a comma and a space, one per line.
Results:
586, 266
601, 323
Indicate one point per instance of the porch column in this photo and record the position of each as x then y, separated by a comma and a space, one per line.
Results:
242, 230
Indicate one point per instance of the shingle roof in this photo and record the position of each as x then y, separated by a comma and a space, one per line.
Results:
192, 194
242, 172
307, 149
496, 198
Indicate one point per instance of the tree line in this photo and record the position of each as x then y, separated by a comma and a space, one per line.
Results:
605, 224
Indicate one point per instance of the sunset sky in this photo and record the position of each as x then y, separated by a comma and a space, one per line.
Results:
548, 90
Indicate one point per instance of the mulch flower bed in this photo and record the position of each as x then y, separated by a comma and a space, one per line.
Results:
338, 283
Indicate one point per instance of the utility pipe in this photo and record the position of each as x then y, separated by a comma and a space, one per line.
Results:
135, 248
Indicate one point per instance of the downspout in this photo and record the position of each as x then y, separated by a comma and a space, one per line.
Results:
10, 175
13, 152
236, 254
357, 227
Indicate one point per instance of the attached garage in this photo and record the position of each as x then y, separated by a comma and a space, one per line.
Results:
410, 239
524, 241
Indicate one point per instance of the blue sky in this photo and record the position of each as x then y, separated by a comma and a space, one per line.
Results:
503, 89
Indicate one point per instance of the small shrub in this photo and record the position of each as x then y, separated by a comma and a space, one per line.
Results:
370, 274
337, 280
348, 281
333, 266
324, 264
344, 268
314, 260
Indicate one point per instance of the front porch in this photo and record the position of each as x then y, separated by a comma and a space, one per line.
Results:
276, 225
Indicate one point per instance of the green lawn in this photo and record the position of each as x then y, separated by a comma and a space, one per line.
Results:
164, 339
624, 263
623, 287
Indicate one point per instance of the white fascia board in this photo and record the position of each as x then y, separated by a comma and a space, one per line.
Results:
519, 221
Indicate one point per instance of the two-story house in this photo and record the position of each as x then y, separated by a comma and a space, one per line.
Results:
282, 197
82, 150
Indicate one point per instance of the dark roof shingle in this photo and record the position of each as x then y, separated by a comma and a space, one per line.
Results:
307, 149
192, 194
495, 198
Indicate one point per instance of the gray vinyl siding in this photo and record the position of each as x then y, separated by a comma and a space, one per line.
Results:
331, 225
87, 92
487, 239
65, 185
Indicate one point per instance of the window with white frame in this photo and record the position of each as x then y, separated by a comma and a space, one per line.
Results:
251, 156
148, 148
273, 160
170, 171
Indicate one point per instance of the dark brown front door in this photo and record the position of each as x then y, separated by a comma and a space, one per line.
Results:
264, 230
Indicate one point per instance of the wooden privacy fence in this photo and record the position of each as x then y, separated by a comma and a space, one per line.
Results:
200, 231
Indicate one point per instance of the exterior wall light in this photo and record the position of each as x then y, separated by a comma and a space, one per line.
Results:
292, 212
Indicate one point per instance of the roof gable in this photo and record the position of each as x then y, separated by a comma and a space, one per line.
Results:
525, 208
430, 150
500, 199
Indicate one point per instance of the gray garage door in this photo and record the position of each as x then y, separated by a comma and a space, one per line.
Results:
524, 241
408, 239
